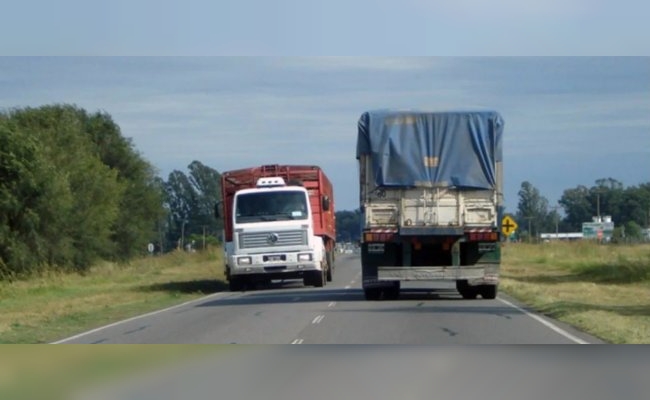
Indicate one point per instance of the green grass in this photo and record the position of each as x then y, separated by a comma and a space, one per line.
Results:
56, 305
601, 289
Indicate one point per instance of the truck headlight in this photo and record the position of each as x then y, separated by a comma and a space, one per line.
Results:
244, 261
304, 257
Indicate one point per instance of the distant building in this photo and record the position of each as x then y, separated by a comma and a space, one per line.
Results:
599, 228
560, 236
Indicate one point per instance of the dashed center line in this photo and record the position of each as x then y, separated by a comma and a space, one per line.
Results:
318, 319
331, 304
297, 341
347, 287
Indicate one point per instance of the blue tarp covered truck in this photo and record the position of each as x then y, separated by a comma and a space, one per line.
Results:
432, 200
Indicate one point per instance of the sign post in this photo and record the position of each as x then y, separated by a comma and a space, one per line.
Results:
508, 225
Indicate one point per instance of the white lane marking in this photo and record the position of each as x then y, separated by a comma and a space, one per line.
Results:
352, 282
546, 323
331, 304
139, 316
318, 319
347, 287
297, 341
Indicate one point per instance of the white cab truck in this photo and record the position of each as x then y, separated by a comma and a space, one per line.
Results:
278, 224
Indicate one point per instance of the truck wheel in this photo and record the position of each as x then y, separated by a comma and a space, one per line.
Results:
392, 293
235, 284
330, 264
465, 290
319, 278
489, 291
372, 294
315, 278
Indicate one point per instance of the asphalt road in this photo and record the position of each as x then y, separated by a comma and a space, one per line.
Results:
289, 313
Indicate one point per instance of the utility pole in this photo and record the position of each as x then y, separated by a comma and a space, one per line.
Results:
183, 235
162, 250
557, 222
530, 232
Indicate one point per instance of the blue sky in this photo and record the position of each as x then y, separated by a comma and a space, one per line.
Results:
332, 27
569, 120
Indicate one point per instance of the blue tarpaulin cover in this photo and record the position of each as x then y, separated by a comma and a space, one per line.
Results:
432, 149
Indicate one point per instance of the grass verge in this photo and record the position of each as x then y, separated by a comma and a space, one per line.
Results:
600, 289
55, 306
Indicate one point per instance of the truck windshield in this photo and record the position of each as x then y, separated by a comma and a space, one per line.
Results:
270, 206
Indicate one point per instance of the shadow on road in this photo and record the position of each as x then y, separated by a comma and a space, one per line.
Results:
296, 293
204, 286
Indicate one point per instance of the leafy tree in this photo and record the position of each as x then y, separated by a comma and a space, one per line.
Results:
180, 200
20, 196
140, 207
206, 183
532, 210
633, 231
73, 190
190, 201
348, 225
577, 206
80, 194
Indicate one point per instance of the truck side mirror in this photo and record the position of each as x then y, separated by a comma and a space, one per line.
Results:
326, 203
217, 210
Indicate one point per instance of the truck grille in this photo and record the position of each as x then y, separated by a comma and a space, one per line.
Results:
272, 239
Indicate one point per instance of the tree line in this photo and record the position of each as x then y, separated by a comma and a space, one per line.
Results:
629, 208
74, 190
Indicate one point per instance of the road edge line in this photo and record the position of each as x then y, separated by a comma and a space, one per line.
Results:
546, 323
77, 336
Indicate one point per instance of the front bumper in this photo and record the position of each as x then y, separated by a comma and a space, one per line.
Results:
273, 265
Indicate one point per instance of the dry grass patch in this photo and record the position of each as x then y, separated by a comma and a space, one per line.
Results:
600, 289
51, 307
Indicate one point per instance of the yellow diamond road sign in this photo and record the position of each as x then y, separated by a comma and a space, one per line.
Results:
508, 225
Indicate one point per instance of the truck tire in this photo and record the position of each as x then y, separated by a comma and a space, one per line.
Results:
235, 284
372, 294
489, 291
320, 277
315, 278
392, 293
468, 292
330, 265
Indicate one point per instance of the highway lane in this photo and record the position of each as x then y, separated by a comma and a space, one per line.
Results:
287, 312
